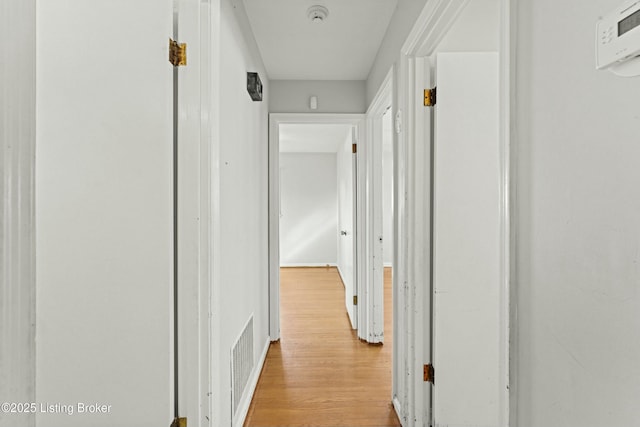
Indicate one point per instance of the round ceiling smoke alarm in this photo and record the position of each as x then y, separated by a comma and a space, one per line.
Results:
317, 14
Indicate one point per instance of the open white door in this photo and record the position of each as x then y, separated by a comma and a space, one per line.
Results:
347, 197
103, 215
466, 241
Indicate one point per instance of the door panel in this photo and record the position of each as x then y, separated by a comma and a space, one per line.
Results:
103, 212
347, 171
466, 240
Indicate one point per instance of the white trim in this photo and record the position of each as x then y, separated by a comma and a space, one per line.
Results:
434, 21
215, 227
316, 118
195, 192
275, 119
372, 311
379, 103
401, 375
420, 214
309, 265
341, 277
398, 409
388, 265
414, 164
432, 25
207, 52
508, 400
274, 228
245, 403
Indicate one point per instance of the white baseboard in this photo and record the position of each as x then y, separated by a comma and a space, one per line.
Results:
309, 264
243, 408
398, 408
341, 277
388, 264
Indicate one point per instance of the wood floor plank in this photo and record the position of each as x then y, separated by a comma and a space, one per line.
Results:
320, 374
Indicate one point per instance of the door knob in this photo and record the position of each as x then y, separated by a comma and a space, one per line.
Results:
343, 233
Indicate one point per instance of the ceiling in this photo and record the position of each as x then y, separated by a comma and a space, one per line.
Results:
342, 47
312, 138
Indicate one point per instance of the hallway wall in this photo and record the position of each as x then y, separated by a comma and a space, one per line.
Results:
241, 231
17, 145
476, 29
402, 21
309, 211
577, 228
334, 96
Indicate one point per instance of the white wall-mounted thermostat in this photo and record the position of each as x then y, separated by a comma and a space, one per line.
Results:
618, 40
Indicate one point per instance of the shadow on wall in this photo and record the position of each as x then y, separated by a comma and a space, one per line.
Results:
307, 233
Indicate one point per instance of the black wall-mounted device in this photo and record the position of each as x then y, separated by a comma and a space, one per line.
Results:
254, 86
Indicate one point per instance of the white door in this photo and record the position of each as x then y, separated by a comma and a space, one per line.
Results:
466, 241
103, 215
347, 196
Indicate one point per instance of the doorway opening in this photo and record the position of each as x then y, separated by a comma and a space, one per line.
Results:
317, 185
318, 236
305, 225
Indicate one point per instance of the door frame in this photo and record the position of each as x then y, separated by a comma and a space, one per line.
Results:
372, 321
275, 120
432, 25
374, 289
198, 211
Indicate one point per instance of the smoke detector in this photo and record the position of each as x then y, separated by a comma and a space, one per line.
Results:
317, 14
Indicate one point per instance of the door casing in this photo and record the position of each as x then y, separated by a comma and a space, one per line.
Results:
413, 397
275, 120
372, 317
198, 213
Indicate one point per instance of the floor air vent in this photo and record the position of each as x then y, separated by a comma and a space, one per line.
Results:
241, 364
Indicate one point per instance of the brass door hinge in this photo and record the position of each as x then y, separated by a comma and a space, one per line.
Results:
179, 422
429, 374
430, 97
177, 53
354, 148
355, 300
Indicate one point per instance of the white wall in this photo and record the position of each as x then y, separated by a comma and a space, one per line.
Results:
335, 96
240, 231
103, 211
402, 21
309, 212
477, 29
17, 143
578, 234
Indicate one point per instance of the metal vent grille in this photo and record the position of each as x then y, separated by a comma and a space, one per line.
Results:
241, 364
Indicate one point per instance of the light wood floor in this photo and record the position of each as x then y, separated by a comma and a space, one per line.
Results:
320, 373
